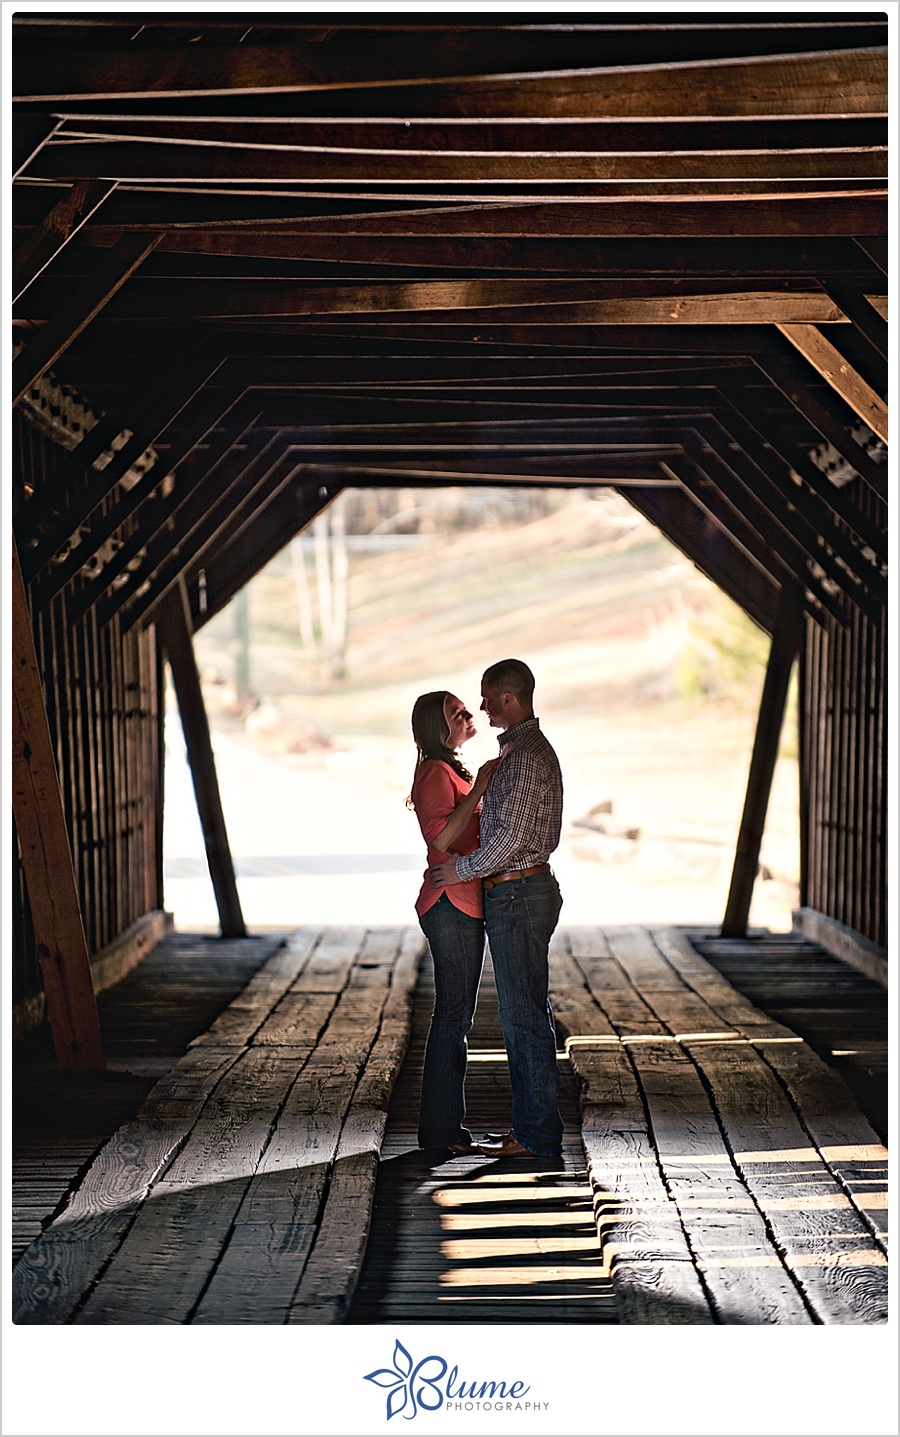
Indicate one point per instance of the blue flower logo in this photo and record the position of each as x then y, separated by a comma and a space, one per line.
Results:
410, 1386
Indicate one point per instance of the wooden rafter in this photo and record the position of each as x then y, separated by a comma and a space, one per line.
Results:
787, 372
797, 256
675, 512
501, 301
852, 81
843, 378
236, 161
54, 338
405, 250
64, 220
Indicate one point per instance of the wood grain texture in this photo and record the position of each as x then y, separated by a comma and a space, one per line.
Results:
763, 86
47, 855
58, 1269
840, 374
844, 1138
826, 1243
735, 1153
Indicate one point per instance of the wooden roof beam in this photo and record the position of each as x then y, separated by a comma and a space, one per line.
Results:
495, 301
615, 470
862, 311
581, 341
837, 82
840, 374
245, 481
240, 161
776, 526
162, 402
65, 219
217, 486
760, 437
676, 513
156, 515
250, 548
844, 213
797, 512
47, 344
810, 256
787, 372
752, 526
487, 136
30, 133
758, 433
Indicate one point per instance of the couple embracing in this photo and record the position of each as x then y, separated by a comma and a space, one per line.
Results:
489, 842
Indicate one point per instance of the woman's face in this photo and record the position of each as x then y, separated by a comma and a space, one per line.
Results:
459, 721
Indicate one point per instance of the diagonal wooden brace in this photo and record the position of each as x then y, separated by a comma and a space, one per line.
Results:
174, 624
107, 278
787, 637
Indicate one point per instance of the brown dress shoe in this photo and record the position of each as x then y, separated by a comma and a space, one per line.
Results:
507, 1146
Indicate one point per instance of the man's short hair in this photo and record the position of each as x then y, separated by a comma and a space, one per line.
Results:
510, 676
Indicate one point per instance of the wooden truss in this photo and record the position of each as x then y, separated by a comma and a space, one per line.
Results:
281, 257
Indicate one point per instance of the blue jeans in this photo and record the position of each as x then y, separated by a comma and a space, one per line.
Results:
456, 941
520, 917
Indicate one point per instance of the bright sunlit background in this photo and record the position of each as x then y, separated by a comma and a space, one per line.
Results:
648, 686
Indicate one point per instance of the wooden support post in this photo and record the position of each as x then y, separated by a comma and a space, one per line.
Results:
48, 343
47, 857
174, 627
786, 641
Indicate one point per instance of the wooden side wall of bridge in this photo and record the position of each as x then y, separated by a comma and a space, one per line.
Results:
103, 693
843, 754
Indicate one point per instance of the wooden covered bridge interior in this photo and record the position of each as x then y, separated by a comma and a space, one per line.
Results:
260, 258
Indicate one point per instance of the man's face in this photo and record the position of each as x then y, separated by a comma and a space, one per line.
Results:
493, 704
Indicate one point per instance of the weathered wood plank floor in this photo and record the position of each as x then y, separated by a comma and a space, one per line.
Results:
240, 1192
735, 1178
473, 1239
842, 1014
60, 1121
732, 1177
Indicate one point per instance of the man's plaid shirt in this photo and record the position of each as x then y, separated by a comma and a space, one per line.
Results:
521, 812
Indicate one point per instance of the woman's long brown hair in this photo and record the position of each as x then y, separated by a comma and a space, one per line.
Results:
431, 734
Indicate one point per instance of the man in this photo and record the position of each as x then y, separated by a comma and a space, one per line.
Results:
521, 816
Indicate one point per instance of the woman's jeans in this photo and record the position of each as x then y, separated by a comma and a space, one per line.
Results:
520, 917
456, 941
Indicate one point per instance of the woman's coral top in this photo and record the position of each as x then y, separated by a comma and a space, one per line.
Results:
437, 790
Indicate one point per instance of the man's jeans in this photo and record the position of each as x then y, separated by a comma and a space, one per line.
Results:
520, 917
456, 941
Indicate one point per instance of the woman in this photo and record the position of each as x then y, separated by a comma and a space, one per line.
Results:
446, 803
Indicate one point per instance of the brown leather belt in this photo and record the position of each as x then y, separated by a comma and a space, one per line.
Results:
517, 873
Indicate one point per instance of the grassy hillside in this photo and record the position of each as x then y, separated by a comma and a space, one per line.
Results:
648, 679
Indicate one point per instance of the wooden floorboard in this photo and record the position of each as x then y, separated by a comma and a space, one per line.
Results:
261, 1140
252, 1157
721, 1147
841, 1013
60, 1121
474, 1239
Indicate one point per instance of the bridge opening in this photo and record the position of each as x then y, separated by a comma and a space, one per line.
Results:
649, 682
